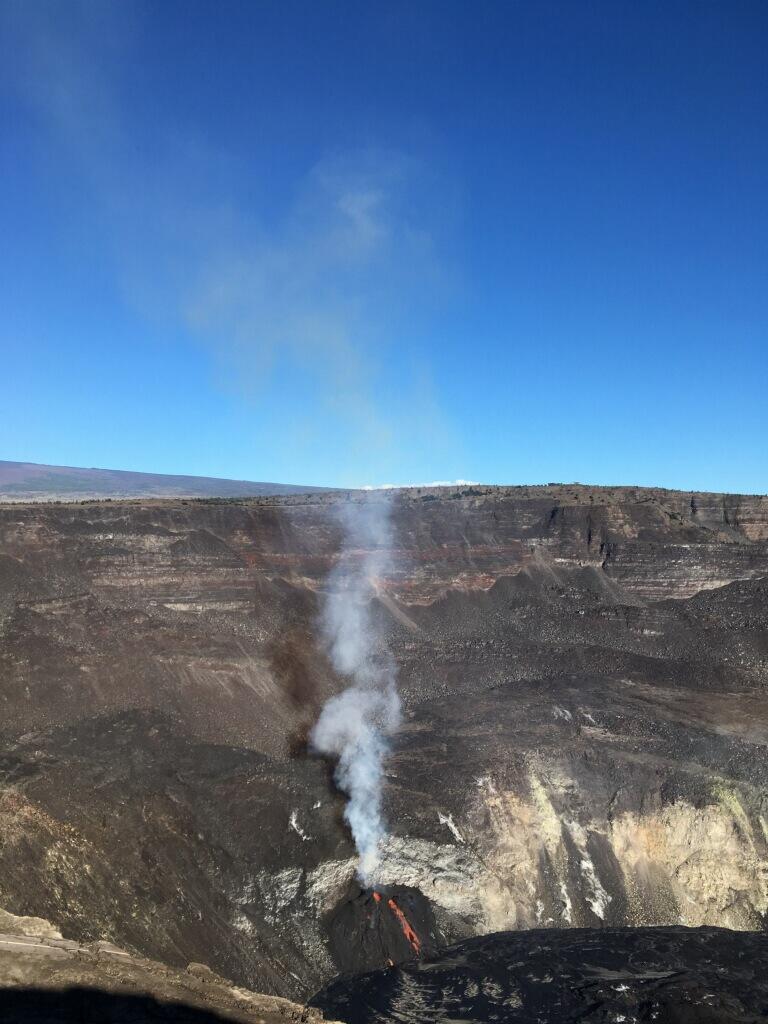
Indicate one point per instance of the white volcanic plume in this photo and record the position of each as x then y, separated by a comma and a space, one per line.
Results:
354, 725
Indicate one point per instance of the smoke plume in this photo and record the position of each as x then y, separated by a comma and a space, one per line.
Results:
354, 725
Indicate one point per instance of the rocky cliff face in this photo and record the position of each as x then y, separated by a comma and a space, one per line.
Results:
584, 677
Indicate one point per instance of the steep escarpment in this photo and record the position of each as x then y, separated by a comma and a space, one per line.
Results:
583, 672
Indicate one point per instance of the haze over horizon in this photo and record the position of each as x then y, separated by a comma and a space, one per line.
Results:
339, 244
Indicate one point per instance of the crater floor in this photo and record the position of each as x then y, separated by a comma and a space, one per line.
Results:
667, 975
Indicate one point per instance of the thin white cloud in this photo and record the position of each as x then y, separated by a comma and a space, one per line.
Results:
323, 292
319, 295
432, 483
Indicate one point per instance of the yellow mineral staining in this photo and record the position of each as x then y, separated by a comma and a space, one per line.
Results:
680, 864
706, 856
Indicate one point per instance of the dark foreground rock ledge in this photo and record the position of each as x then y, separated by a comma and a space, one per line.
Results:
45, 979
665, 975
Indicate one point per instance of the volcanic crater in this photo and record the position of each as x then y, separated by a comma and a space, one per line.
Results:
583, 674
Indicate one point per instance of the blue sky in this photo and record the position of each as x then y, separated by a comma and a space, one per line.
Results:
356, 243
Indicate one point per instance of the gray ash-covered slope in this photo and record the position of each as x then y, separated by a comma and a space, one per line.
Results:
31, 481
664, 975
584, 677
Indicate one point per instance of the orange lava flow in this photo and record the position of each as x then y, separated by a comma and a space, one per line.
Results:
409, 933
377, 897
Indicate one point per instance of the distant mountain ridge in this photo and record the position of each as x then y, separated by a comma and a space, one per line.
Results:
29, 481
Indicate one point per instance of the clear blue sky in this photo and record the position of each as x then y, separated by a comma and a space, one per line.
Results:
355, 243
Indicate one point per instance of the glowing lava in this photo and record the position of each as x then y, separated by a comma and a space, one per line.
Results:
402, 920
409, 933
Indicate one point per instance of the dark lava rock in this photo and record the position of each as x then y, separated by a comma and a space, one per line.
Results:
386, 925
665, 975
